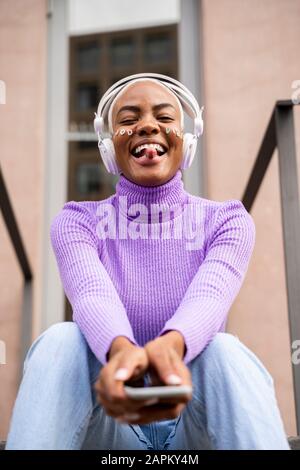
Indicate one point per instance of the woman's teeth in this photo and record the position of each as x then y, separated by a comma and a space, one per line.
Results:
158, 149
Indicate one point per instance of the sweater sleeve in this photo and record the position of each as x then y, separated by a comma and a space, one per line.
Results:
97, 307
206, 303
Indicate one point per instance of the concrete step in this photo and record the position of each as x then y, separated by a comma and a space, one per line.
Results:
294, 443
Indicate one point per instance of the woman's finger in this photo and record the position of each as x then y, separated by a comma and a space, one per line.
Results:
121, 367
153, 413
181, 369
129, 406
160, 360
124, 366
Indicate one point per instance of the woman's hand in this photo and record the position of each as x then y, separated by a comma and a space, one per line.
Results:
166, 368
163, 358
126, 362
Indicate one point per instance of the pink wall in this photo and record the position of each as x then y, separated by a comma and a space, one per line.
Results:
22, 150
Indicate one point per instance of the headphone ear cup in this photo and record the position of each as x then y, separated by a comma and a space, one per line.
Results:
189, 150
108, 155
98, 124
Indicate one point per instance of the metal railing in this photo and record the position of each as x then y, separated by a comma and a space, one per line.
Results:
280, 133
16, 240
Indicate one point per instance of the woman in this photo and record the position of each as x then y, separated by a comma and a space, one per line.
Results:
149, 301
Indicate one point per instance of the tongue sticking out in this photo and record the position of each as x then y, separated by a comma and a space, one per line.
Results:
150, 153
148, 156
147, 153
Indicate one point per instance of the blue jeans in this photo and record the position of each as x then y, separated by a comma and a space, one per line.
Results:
233, 405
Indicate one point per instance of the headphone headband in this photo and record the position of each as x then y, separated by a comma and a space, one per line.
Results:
117, 93
187, 99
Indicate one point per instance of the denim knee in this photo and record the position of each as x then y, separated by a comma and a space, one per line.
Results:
222, 344
61, 339
227, 349
223, 347
67, 333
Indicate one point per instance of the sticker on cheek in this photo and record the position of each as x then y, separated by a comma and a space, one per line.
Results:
123, 132
175, 131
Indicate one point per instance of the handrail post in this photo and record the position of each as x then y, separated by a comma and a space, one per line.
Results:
284, 121
261, 164
18, 245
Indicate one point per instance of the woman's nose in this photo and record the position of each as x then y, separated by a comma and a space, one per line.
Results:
148, 126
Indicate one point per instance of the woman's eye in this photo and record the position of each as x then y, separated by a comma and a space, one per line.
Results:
127, 121
165, 117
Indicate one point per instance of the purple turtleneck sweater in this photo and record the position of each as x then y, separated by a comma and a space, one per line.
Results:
126, 274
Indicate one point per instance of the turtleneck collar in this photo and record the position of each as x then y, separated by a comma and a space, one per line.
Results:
168, 195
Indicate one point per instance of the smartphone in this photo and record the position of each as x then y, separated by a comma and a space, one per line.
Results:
165, 391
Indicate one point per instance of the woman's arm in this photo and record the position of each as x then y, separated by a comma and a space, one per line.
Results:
97, 308
207, 301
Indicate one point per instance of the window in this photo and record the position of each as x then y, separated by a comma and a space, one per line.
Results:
158, 48
87, 94
88, 57
123, 52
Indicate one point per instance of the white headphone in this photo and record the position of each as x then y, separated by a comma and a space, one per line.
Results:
189, 104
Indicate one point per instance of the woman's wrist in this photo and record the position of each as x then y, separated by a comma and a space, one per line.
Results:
176, 340
120, 342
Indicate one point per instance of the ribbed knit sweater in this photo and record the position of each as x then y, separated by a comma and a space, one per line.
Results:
127, 272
